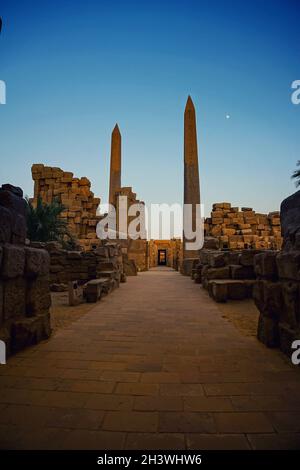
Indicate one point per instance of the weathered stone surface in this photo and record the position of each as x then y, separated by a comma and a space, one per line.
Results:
5, 225
12, 202
268, 298
287, 336
29, 331
37, 262
13, 263
288, 265
268, 331
18, 229
38, 299
237, 290
218, 273
218, 260
290, 220
242, 272
13, 189
1, 303
14, 298
211, 243
247, 257
291, 304
265, 265
219, 291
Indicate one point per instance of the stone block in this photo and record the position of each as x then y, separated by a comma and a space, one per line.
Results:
37, 262
288, 265
18, 229
268, 331
291, 304
1, 303
38, 299
5, 225
13, 262
268, 298
242, 272
29, 331
12, 202
219, 291
290, 220
218, 260
14, 298
265, 265
287, 336
247, 257
218, 273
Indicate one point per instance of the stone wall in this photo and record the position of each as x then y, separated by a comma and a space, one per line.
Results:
277, 290
75, 194
24, 277
79, 266
238, 229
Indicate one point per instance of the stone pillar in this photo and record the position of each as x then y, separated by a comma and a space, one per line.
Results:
191, 173
115, 164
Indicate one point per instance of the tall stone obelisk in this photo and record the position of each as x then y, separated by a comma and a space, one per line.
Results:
191, 174
115, 164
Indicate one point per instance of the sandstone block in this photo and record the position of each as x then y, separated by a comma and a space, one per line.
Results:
291, 304
265, 265
268, 298
218, 273
217, 260
37, 262
288, 265
242, 272
6, 222
38, 299
268, 331
287, 336
14, 298
29, 331
13, 263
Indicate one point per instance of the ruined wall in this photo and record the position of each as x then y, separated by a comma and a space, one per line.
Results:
237, 229
24, 278
75, 194
277, 290
79, 266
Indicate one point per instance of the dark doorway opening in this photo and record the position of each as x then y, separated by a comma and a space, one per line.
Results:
162, 258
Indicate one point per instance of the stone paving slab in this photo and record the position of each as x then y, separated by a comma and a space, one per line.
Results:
152, 366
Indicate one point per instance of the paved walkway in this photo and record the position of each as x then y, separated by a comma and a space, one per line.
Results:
153, 365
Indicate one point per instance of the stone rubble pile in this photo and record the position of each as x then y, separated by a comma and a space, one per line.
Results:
24, 277
226, 274
238, 229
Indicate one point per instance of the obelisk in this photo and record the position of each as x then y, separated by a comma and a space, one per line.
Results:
115, 164
191, 173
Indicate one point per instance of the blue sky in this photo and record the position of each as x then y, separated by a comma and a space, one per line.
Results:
74, 69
